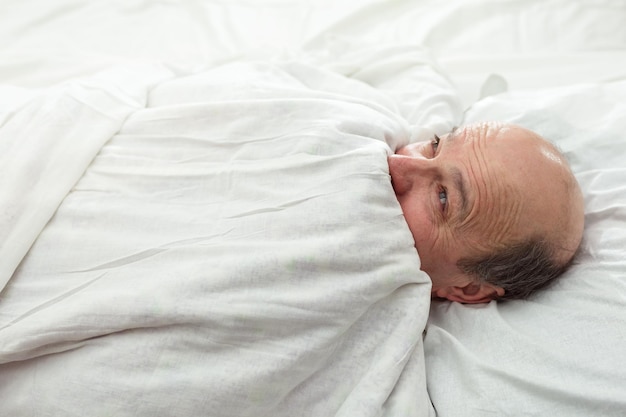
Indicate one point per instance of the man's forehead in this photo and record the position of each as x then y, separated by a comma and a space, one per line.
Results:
490, 205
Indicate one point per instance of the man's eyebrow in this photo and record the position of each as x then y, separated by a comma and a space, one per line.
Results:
459, 183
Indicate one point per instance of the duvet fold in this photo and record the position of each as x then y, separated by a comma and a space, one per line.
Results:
225, 242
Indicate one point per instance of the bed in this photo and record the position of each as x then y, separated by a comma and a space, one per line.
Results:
197, 216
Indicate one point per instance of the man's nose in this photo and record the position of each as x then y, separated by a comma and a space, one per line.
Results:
409, 171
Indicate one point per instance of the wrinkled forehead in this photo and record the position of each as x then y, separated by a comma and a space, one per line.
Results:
497, 215
521, 180
481, 131
495, 154
497, 134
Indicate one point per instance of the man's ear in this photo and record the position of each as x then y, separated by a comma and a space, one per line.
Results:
471, 293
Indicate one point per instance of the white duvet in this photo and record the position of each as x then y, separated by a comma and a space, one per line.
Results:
224, 243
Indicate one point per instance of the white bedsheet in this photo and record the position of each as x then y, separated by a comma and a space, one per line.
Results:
235, 248
571, 333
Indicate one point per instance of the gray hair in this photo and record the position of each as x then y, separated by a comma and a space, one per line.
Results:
520, 269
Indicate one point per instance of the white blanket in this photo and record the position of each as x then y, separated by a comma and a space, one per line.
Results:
234, 249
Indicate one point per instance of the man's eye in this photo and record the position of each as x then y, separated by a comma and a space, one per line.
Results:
435, 144
443, 198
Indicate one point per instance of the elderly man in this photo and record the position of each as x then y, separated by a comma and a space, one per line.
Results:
494, 210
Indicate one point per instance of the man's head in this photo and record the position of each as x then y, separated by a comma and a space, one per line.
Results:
494, 210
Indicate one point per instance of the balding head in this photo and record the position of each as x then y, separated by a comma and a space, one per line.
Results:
532, 186
481, 197
548, 230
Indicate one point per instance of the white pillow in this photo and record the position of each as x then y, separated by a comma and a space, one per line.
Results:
559, 353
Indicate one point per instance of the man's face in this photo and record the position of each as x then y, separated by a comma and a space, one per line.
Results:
474, 189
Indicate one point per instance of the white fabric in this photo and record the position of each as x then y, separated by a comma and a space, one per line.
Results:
236, 248
47, 141
559, 353
532, 43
